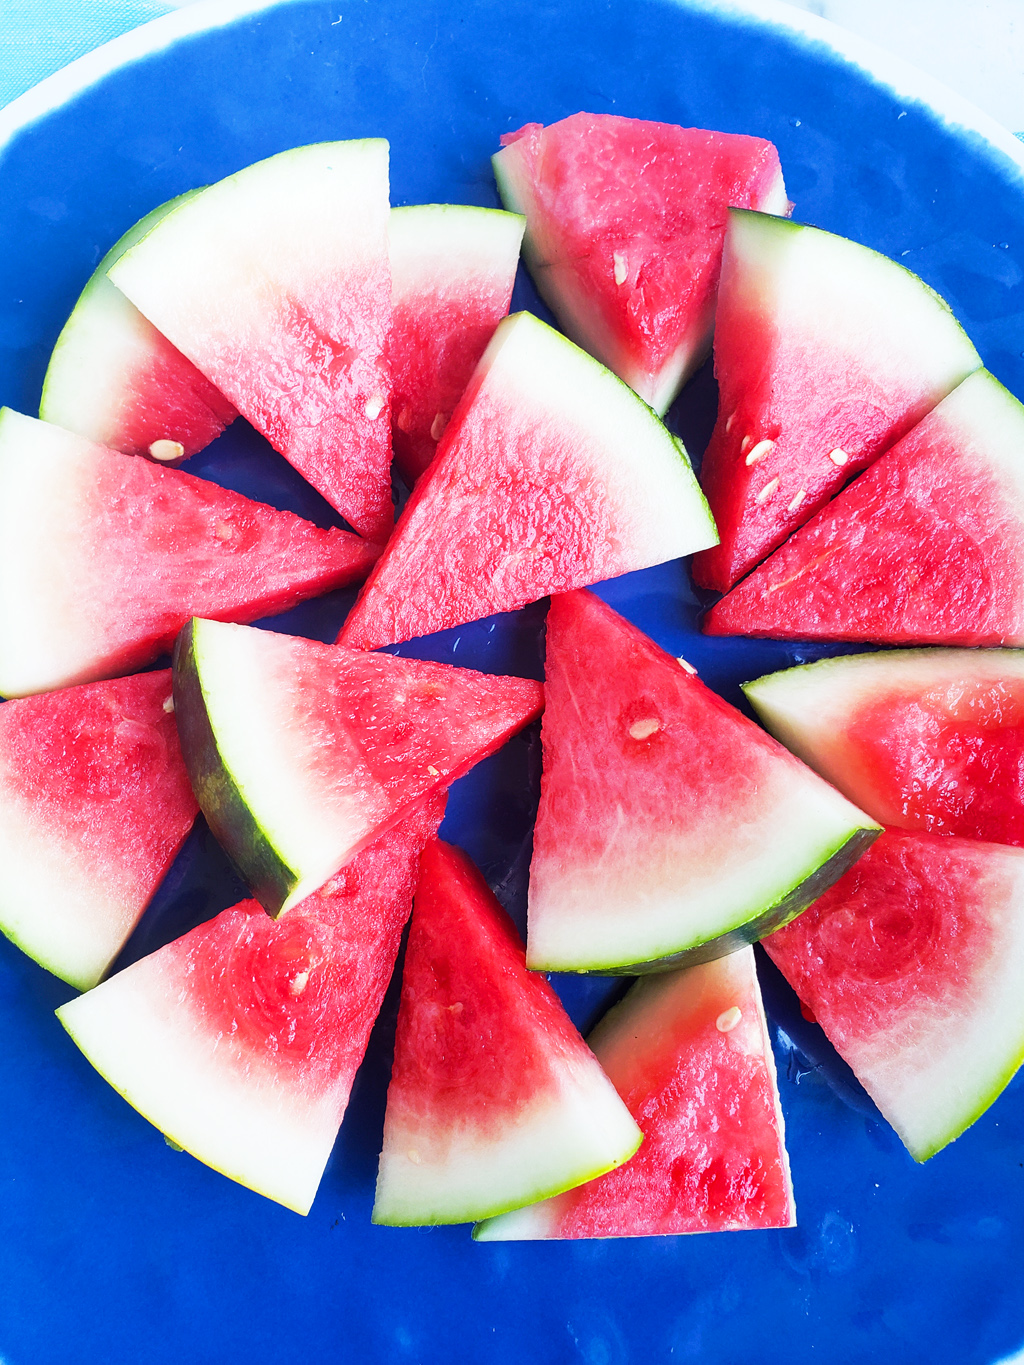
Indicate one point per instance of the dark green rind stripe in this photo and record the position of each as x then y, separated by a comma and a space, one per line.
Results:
234, 827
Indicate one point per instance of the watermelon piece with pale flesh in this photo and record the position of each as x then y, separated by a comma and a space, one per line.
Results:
925, 739
689, 1053
275, 283
551, 475
452, 271
671, 829
495, 1100
116, 380
240, 1041
104, 557
94, 805
926, 547
301, 753
826, 353
624, 228
912, 965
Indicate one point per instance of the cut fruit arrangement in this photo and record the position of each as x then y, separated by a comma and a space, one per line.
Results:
873, 838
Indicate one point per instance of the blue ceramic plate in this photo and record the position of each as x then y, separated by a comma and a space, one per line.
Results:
114, 1248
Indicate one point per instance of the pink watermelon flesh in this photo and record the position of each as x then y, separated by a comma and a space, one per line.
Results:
95, 806
625, 222
488, 1068
823, 361
109, 555
254, 1028
669, 824
689, 1053
911, 964
926, 547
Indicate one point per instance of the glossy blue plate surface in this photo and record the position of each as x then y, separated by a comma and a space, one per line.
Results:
114, 1248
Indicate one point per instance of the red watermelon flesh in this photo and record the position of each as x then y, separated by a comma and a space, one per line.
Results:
495, 1099
106, 556
926, 547
826, 353
624, 228
115, 380
912, 965
923, 739
241, 1040
670, 827
94, 805
550, 475
452, 271
689, 1053
275, 283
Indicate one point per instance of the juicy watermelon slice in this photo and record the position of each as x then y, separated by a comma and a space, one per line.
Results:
104, 557
624, 228
94, 805
926, 547
550, 475
494, 1100
241, 1040
275, 284
912, 964
671, 829
452, 271
689, 1053
302, 753
826, 353
926, 739
115, 380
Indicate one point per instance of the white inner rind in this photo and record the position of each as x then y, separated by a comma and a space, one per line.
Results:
446, 247
249, 1124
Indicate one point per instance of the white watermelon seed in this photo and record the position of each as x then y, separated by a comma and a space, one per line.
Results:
729, 421
745, 444
620, 267
643, 729
797, 500
374, 406
762, 449
404, 420
728, 1019
298, 985
438, 425
685, 664
166, 450
414, 1156
432, 770
767, 491
168, 704
838, 456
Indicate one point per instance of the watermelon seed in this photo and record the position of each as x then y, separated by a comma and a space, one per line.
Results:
762, 449
374, 406
224, 530
745, 444
767, 491
688, 666
620, 267
838, 456
432, 770
728, 1019
404, 420
438, 425
166, 450
643, 729
797, 500
298, 985
729, 421
168, 704
414, 1157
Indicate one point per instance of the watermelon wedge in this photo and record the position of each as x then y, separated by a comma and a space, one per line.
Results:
550, 475
452, 271
94, 805
104, 557
302, 753
925, 739
275, 284
689, 1053
241, 1040
115, 380
912, 964
494, 1100
624, 228
926, 547
826, 353
671, 829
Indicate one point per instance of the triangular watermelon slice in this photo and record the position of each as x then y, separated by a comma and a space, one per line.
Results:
452, 271
495, 1100
926, 547
689, 1053
94, 805
104, 557
926, 739
671, 828
241, 1040
301, 753
912, 964
624, 228
826, 353
551, 475
275, 283
115, 380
